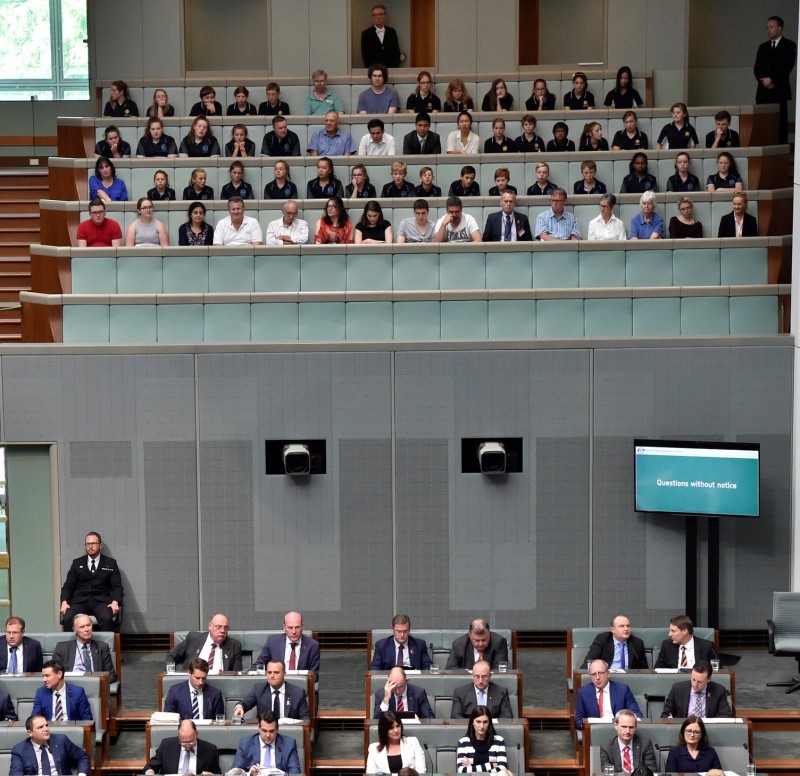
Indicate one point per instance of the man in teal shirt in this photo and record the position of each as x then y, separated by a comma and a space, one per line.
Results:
321, 100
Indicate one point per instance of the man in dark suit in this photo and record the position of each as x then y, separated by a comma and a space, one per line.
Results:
774, 63
627, 745
18, 653
93, 586
182, 698
379, 44
482, 692
618, 647
399, 695
215, 647
682, 649
170, 757
84, 653
299, 652
267, 748
62, 754
421, 140
58, 700
699, 696
479, 644
400, 649
7, 710
286, 700
603, 698
507, 225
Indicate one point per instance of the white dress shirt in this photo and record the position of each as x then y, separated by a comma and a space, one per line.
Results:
298, 233
613, 230
205, 653
225, 233
368, 147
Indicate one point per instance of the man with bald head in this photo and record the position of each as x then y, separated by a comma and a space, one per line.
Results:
185, 753
479, 644
602, 699
84, 654
215, 647
298, 652
482, 692
618, 647
399, 696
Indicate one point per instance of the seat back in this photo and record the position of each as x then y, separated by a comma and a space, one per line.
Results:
786, 622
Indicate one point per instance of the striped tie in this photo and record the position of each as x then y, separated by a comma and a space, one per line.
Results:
58, 715
684, 661
627, 765
400, 705
211, 657
195, 706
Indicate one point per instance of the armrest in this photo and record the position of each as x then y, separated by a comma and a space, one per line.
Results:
771, 636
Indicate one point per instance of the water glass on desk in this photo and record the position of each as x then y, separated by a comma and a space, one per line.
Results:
170, 668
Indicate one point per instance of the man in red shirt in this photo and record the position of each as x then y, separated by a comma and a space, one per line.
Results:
99, 231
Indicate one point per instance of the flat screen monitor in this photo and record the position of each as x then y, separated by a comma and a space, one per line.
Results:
697, 478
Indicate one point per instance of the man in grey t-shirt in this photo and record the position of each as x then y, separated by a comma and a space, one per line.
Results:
417, 229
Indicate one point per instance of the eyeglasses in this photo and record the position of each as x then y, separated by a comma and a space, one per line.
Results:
93, 544
689, 732
96, 212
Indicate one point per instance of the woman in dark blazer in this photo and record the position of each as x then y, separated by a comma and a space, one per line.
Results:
739, 223
692, 754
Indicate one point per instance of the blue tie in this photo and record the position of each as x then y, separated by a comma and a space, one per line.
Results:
46, 770
621, 655
195, 706
12, 662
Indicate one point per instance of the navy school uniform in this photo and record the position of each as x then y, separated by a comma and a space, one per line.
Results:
249, 110
421, 192
190, 193
674, 183
164, 147
638, 142
208, 146
281, 109
367, 192
243, 190
390, 190
457, 189
423, 104
200, 109
167, 196
523, 144
273, 191
495, 192
632, 185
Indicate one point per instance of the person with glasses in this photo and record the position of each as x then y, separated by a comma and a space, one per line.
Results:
321, 99
607, 226
379, 43
98, 231
19, 654
692, 754
146, 231
216, 647
602, 699
422, 99
555, 223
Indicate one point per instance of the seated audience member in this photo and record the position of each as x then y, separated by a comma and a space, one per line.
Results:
197, 188
399, 186
456, 226
684, 224
321, 100
647, 224
555, 223
498, 143
401, 648
326, 184
623, 95
303, 650
630, 138
379, 98
379, 42
507, 225
638, 180
98, 231
400, 696
479, 643
481, 749
481, 692
421, 140
62, 755
146, 231
692, 754
281, 187
466, 185
278, 695
426, 186
196, 231
540, 98
463, 140
7, 711
59, 701
220, 651
120, 105
456, 98
298, 651
682, 649
19, 654
592, 138
683, 180
617, 646
393, 750
606, 226
738, 223
237, 229
208, 105
112, 146
330, 140
502, 178
200, 140
359, 186
238, 186
267, 749
241, 105
589, 183
418, 229
105, 184
679, 133
627, 750
497, 98
154, 142
161, 191
160, 106
273, 106
579, 98
723, 136
376, 142
560, 141
727, 175
195, 698
184, 753
602, 699
529, 140
543, 185
422, 99
240, 144
698, 696
280, 141
335, 226
84, 654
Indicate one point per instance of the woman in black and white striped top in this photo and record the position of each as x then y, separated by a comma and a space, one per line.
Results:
481, 751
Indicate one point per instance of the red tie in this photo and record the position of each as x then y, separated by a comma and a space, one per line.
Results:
211, 656
292, 658
627, 765
400, 704
684, 662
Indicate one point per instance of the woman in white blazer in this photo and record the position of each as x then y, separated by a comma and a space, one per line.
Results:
393, 751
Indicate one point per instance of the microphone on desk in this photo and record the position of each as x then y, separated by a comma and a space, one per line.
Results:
429, 758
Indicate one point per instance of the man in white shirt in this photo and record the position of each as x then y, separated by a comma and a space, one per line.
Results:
237, 228
288, 230
221, 652
456, 225
376, 142
607, 226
